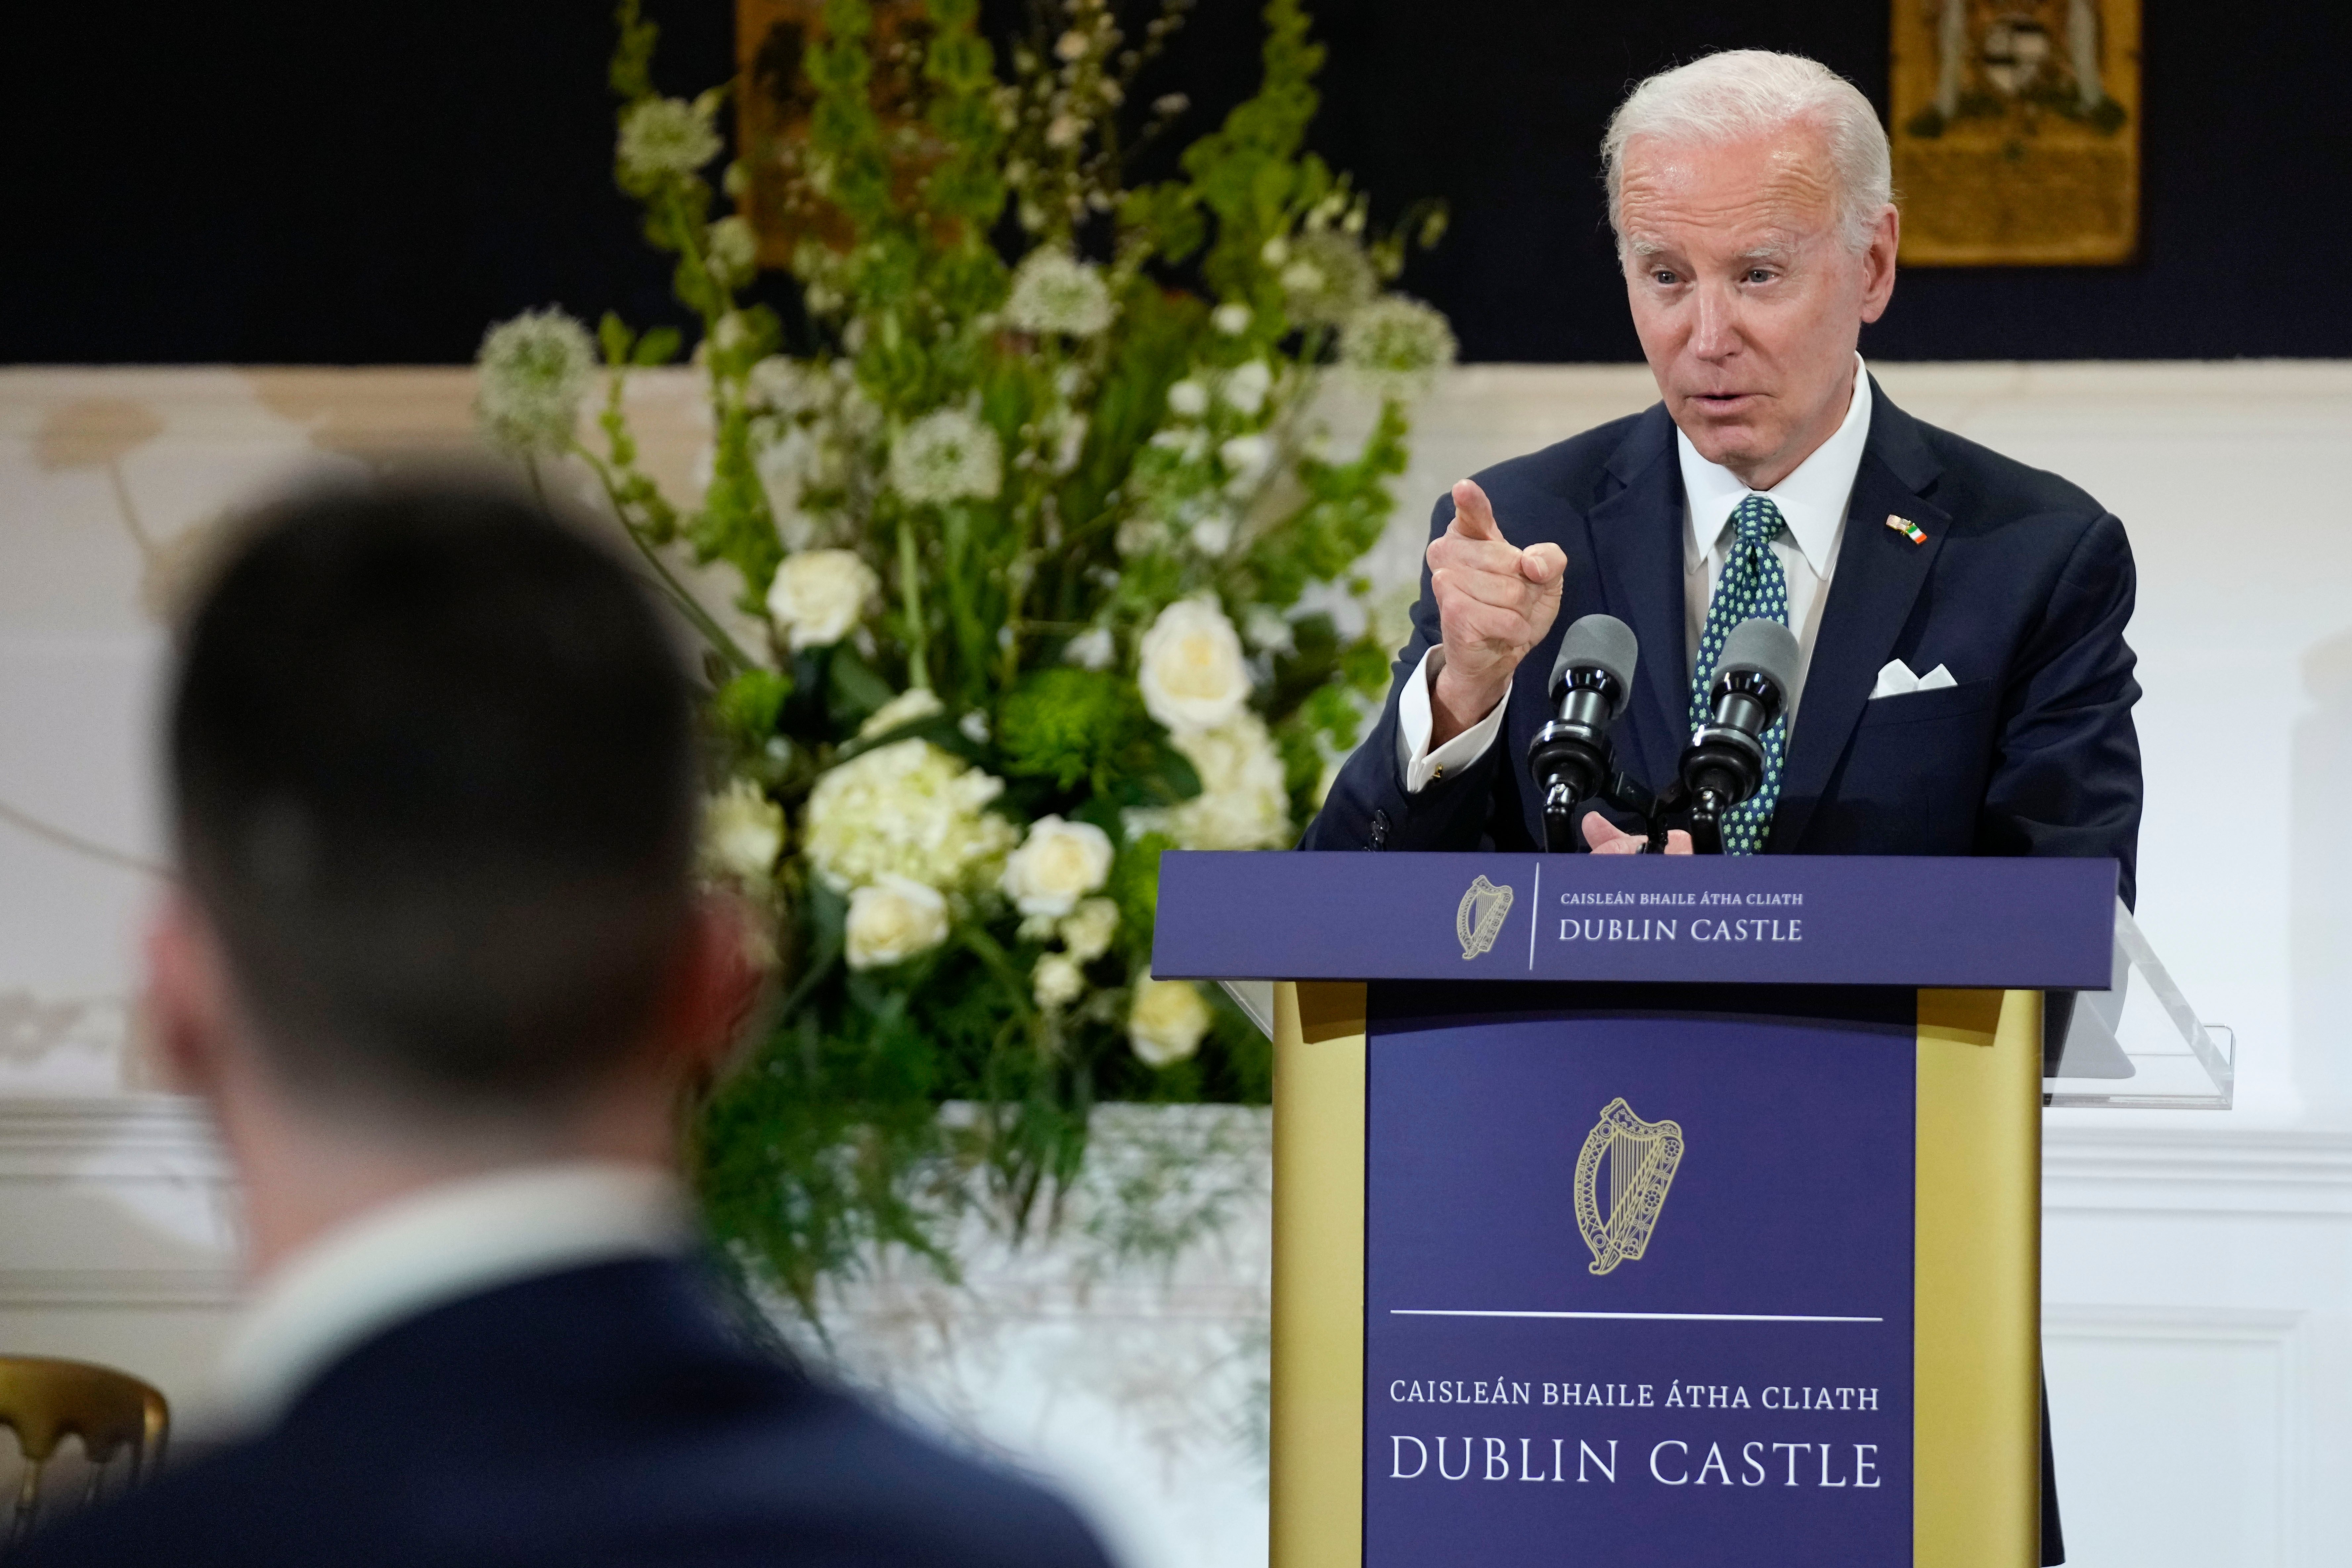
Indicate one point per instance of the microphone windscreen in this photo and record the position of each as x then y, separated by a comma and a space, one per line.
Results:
1767, 648
1604, 641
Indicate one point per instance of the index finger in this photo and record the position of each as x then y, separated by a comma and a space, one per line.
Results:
1472, 512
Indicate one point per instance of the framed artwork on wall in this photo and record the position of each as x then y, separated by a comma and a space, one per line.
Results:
2016, 132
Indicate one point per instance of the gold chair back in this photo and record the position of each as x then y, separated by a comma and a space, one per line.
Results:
45, 1399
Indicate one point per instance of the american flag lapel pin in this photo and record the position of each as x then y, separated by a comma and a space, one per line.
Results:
1907, 529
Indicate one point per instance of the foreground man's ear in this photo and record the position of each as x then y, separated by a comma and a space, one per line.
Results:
718, 986
186, 1005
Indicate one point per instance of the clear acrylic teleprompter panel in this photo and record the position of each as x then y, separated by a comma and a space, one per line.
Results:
2139, 1045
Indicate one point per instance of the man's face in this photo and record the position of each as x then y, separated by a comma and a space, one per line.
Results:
1748, 300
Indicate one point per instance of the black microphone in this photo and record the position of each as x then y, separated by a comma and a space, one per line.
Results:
1570, 756
1723, 763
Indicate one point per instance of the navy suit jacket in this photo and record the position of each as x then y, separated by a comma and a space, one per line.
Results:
2021, 589
600, 1417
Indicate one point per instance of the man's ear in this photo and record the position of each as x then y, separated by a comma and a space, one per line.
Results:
1878, 263
717, 987
188, 1007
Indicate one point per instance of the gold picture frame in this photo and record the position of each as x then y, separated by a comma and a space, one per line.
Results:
2016, 132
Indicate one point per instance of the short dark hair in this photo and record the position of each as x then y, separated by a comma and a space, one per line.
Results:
433, 769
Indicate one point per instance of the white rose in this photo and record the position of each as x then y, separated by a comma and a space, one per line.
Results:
1247, 388
1166, 1021
1058, 864
891, 920
1188, 398
1057, 982
1087, 930
1243, 802
742, 832
818, 595
1191, 667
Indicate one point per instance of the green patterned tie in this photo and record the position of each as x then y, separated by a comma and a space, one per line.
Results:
1752, 587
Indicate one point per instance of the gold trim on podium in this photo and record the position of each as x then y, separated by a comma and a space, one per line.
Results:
1976, 1464
1316, 1449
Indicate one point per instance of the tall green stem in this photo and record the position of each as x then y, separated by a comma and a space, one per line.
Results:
911, 594
686, 604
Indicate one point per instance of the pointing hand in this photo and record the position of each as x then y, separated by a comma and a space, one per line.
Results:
1495, 602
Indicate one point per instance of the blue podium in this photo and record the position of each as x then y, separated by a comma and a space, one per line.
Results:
1651, 1210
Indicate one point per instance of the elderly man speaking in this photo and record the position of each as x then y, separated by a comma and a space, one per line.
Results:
1963, 687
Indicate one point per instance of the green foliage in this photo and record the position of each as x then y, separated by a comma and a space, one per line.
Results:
1067, 724
745, 710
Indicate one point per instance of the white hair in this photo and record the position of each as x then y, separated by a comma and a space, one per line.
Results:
1741, 94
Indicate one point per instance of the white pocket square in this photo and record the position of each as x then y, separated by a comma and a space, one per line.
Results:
1895, 680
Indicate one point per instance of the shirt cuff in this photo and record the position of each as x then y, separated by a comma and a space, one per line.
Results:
1415, 761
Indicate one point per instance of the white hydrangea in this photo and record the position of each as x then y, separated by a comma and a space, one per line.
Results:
1190, 667
1397, 345
1058, 864
665, 138
531, 373
909, 707
1166, 1021
1086, 930
1052, 292
945, 456
1243, 802
906, 809
742, 833
891, 920
817, 597
1056, 982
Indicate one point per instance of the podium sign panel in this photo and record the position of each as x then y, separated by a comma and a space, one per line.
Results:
1640, 1259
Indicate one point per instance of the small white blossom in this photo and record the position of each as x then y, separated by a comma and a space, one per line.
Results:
1086, 930
891, 920
1246, 458
818, 595
1071, 44
665, 138
1213, 534
1052, 292
1233, 318
1190, 667
531, 373
732, 248
1090, 649
1397, 345
906, 809
1057, 982
947, 456
1063, 130
1265, 629
1166, 1021
1170, 103
1274, 251
1058, 864
1188, 399
974, 727
909, 707
1190, 445
1245, 387
742, 833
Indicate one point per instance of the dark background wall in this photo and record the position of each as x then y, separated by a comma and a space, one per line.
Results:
372, 182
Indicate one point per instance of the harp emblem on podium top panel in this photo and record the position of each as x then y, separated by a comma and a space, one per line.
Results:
1478, 918
1622, 1178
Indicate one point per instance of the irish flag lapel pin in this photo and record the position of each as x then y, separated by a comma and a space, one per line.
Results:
1907, 529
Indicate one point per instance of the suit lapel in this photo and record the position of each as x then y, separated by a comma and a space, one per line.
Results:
1879, 574
1637, 550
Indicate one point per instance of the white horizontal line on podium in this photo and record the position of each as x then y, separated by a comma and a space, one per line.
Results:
1672, 1317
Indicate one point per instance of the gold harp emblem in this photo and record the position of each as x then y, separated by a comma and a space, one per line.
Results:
1641, 1157
1478, 918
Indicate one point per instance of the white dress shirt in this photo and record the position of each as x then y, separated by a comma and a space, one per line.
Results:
1812, 501
435, 1246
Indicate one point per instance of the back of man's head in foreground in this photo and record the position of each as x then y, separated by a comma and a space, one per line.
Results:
432, 763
